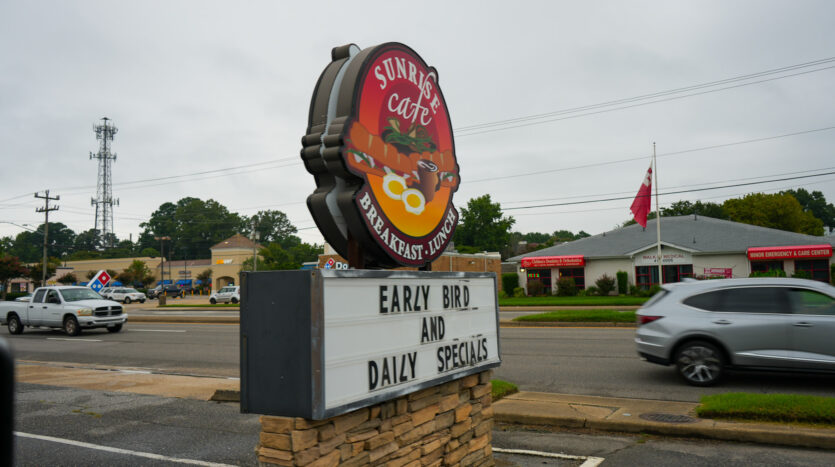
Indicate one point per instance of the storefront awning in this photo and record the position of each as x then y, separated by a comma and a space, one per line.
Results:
789, 252
553, 261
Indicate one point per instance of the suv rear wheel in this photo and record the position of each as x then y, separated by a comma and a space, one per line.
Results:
700, 363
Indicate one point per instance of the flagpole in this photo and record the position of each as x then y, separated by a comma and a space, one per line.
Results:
657, 217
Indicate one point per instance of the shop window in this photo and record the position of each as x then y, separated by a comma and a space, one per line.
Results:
817, 269
578, 274
677, 272
647, 276
765, 266
542, 276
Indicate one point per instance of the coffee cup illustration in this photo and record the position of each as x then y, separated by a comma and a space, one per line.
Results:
429, 180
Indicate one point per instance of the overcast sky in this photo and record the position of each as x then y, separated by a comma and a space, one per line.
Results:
200, 86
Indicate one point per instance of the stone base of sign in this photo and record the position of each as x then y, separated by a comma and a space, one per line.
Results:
448, 424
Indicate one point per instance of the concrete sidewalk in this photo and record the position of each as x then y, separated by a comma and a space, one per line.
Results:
525, 408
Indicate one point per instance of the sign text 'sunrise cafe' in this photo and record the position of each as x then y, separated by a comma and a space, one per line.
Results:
789, 252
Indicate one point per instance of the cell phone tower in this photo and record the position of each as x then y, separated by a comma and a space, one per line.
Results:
104, 200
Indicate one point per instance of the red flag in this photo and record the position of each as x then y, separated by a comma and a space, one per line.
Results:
642, 204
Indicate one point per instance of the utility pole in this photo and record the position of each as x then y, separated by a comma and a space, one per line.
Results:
162, 259
45, 210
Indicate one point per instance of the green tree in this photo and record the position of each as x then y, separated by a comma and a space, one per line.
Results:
482, 227
10, 268
36, 271
138, 271
68, 278
192, 224
88, 240
536, 237
274, 256
777, 211
685, 208
28, 246
205, 277
815, 203
271, 225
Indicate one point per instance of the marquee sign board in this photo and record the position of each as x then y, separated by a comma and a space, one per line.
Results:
380, 147
317, 344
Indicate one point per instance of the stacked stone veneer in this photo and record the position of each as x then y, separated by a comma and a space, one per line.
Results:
449, 424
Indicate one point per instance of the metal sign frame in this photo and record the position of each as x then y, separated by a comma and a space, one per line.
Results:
283, 341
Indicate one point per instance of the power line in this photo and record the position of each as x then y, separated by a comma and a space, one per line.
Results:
647, 96
640, 104
675, 187
666, 154
669, 193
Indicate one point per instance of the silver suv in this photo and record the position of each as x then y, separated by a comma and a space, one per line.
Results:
706, 327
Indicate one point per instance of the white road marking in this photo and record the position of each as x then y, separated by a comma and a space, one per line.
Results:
72, 339
156, 330
590, 461
147, 455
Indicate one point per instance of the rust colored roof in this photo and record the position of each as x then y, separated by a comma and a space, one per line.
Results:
236, 241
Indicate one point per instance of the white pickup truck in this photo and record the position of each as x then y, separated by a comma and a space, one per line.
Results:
69, 308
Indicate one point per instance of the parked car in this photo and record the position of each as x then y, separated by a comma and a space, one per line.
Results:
24, 298
126, 295
230, 293
69, 308
707, 327
105, 292
171, 290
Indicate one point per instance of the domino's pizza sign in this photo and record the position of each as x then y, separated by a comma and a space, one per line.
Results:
99, 281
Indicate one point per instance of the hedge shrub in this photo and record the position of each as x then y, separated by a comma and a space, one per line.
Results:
623, 282
509, 282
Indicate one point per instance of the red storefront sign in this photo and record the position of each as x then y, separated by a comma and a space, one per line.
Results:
553, 261
789, 252
719, 272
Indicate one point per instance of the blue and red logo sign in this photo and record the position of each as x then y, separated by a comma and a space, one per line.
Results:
99, 281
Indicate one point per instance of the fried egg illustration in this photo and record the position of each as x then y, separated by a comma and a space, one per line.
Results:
413, 200
394, 185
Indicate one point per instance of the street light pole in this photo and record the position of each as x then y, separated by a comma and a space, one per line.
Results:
162, 258
255, 237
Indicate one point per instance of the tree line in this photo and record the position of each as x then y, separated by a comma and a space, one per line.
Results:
191, 225
483, 226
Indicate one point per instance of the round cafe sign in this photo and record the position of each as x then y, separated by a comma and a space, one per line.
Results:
388, 154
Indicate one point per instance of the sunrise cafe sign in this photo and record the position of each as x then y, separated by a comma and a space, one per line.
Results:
381, 149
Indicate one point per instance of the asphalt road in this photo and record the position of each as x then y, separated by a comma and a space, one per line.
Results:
204, 350
132, 429
590, 361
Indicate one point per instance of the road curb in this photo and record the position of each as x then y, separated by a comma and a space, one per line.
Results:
565, 324
597, 415
184, 319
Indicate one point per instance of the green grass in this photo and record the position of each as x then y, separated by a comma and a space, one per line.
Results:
579, 316
553, 300
502, 388
205, 305
770, 408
